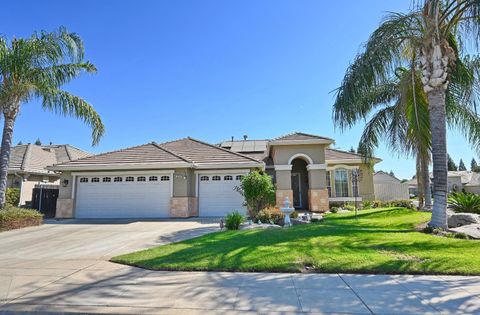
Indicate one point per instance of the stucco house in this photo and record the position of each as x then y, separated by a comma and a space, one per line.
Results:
28, 166
456, 181
189, 177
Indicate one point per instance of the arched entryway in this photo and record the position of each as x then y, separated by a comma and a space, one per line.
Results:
300, 187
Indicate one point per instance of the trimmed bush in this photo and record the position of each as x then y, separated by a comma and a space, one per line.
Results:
12, 196
294, 215
271, 215
367, 204
258, 190
464, 202
16, 218
233, 220
400, 203
333, 209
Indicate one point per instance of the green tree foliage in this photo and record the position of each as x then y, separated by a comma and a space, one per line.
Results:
461, 166
38, 142
258, 190
474, 166
451, 164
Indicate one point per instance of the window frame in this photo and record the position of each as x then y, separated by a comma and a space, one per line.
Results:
141, 179
204, 178
95, 180
164, 178
106, 179
129, 179
83, 179
228, 177
118, 179
216, 178
341, 184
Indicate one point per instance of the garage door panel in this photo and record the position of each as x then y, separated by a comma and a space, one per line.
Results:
149, 199
219, 197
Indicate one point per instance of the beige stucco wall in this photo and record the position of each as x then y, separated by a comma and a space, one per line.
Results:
281, 154
317, 179
472, 189
184, 187
65, 192
366, 187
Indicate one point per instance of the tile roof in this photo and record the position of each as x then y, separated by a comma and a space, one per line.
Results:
335, 154
187, 150
31, 158
301, 136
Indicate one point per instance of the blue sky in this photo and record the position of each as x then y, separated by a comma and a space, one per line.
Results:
208, 69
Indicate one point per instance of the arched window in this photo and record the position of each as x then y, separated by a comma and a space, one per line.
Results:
239, 177
216, 178
204, 178
164, 178
129, 179
106, 180
117, 179
83, 180
341, 183
228, 177
141, 179
95, 180
153, 179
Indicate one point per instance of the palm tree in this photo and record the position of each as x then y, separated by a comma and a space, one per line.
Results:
36, 68
430, 32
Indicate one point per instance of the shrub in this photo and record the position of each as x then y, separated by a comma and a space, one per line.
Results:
315, 220
12, 196
367, 204
464, 202
233, 220
349, 207
294, 215
462, 236
401, 203
258, 190
270, 215
377, 204
15, 218
336, 204
333, 209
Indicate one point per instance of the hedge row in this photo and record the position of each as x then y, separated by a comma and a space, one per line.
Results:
16, 218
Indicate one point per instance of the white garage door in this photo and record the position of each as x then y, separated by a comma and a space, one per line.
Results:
123, 196
217, 195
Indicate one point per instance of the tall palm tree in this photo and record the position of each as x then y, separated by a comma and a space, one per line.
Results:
432, 31
36, 68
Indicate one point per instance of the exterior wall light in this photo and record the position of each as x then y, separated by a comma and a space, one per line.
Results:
65, 183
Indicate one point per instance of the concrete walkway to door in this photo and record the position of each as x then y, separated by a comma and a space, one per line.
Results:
65, 268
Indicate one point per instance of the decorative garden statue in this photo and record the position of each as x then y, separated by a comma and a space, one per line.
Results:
287, 210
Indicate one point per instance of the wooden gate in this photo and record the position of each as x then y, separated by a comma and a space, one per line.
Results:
44, 199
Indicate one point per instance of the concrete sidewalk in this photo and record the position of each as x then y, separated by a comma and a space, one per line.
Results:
110, 288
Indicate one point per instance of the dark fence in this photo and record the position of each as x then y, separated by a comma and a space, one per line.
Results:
44, 199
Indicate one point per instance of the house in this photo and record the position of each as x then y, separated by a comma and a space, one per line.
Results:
387, 187
189, 177
456, 181
28, 166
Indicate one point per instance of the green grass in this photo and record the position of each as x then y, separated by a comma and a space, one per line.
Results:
380, 241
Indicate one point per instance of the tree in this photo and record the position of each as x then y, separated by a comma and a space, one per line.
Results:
352, 150
258, 190
474, 166
391, 173
451, 164
36, 68
38, 142
19, 143
432, 33
461, 166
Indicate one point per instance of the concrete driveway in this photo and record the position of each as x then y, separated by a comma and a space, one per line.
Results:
64, 268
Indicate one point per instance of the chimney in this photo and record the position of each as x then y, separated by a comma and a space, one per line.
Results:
245, 137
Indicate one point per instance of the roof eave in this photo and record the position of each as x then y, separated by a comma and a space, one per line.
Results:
300, 142
126, 166
230, 165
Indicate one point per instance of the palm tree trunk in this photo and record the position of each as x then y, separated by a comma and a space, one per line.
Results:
5, 154
426, 183
420, 183
436, 100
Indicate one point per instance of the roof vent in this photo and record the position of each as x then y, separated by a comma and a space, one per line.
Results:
245, 137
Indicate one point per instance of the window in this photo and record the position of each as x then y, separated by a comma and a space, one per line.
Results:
83, 180
129, 179
239, 177
141, 179
329, 185
228, 177
216, 177
152, 178
341, 183
204, 178
164, 178
117, 179
95, 180
106, 180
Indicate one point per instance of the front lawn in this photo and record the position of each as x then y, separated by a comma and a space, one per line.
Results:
381, 241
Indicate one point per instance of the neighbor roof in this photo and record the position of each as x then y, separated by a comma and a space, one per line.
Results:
32, 158
301, 136
187, 152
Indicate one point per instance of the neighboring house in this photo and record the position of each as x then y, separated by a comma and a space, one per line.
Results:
388, 187
456, 181
189, 177
28, 166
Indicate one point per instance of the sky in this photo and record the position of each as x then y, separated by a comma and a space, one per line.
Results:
208, 69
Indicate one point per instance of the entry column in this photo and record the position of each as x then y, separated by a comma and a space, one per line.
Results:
283, 174
317, 192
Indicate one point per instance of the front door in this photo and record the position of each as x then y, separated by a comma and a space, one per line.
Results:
297, 191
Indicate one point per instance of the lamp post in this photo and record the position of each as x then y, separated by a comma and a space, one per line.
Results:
356, 177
